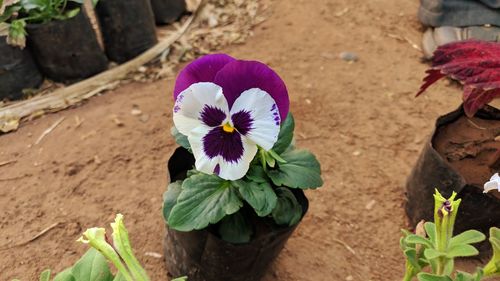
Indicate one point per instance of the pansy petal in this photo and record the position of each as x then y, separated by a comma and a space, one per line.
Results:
493, 184
202, 69
201, 103
234, 170
255, 115
239, 76
204, 163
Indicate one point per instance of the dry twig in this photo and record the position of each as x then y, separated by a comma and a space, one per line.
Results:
49, 130
38, 235
349, 248
5, 163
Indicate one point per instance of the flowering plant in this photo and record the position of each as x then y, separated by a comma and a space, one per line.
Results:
233, 116
435, 246
93, 265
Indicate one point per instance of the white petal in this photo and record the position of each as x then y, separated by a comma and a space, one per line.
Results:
191, 102
493, 184
237, 170
203, 162
265, 114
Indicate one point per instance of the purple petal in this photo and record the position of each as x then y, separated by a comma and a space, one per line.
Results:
212, 116
242, 121
202, 69
220, 143
238, 76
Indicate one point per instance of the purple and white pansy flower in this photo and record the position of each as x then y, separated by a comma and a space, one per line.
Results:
228, 108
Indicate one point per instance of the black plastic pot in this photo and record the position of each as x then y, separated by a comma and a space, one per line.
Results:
18, 71
67, 50
203, 256
477, 211
168, 11
127, 26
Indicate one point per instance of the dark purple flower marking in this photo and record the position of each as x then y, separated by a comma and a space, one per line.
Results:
212, 116
217, 169
220, 143
242, 121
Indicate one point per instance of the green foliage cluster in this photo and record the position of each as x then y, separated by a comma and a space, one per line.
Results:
202, 199
19, 13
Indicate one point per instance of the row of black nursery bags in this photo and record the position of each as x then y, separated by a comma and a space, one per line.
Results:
68, 50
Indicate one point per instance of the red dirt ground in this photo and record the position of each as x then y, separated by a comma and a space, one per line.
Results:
360, 118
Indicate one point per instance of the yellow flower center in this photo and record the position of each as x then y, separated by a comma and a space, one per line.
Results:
228, 128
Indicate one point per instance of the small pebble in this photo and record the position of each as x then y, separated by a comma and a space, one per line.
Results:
356, 153
348, 56
349, 278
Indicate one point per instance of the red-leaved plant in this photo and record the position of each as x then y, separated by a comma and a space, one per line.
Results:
475, 64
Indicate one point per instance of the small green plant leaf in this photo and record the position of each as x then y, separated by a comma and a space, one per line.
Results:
120, 277
92, 267
180, 139
170, 197
467, 237
72, 13
301, 170
183, 278
204, 199
235, 229
416, 239
285, 136
65, 275
411, 256
45, 275
422, 276
432, 254
461, 250
260, 196
288, 211
430, 229
449, 266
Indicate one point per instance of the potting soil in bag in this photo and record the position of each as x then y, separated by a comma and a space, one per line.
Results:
458, 157
67, 50
127, 26
18, 71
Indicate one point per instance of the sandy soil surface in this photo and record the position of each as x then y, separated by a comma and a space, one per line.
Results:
360, 118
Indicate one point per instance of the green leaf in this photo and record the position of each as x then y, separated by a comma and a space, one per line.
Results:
29, 5
92, 267
461, 250
271, 162
276, 156
119, 277
235, 229
45, 276
260, 196
72, 13
432, 254
467, 237
422, 276
411, 256
204, 199
170, 197
449, 266
285, 136
183, 278
430, 229
301, 170
65, 275
288, 211
180, 139
416, 239
257, 174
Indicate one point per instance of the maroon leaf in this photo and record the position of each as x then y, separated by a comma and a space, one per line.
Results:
475, 64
